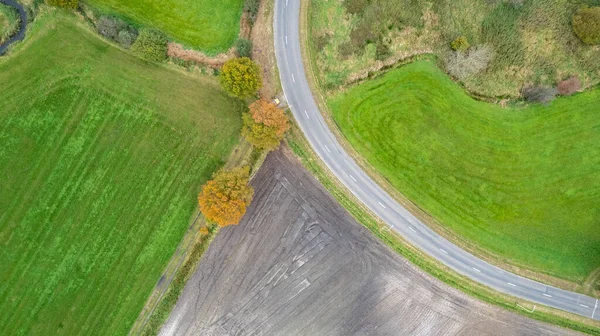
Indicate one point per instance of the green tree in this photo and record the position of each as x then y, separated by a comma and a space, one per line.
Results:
63, 3
240, 77
586, 24
151, 44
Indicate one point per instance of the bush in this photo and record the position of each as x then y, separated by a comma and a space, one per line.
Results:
569, 86
460, 44
151, 45
251, 6
127, 37
464, 64
63, 3
243, 47
240, 77
539, 94
586, 24
109, 27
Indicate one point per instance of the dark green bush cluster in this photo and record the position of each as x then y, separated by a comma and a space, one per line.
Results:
151, 45
586, 24
116, 30
243, 47
63, 3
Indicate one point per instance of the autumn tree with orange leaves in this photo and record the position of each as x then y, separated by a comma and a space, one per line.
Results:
264, 125
224, 199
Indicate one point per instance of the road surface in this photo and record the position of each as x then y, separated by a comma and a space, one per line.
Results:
305, 110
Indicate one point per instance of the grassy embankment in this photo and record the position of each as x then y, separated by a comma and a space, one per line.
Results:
522, 183
9, 22
208, 25
102, 157
532, 40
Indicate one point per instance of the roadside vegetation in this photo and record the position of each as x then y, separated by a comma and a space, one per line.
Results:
9, 22
521, 182
103, 155
208, 25
505, 44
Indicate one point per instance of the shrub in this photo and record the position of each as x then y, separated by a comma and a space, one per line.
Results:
252, 6
127, 37
464, 64
109, 26
240, 77
63, 3
151, 44
586, 24
539, 94
460, 44
243, 47
569, 86
224, 199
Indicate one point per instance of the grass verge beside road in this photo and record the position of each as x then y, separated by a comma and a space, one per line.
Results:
302, 149
211, 26
103, 156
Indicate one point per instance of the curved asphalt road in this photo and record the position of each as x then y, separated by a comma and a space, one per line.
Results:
305, 110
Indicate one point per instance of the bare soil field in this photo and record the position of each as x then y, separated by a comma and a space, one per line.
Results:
298, 264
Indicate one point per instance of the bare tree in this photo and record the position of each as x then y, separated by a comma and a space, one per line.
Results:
464, 64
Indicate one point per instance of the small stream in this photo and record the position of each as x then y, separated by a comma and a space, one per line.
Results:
20, 34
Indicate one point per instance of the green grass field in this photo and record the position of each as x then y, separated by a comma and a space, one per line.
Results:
209, 25
523, 183
9, 22
101, 161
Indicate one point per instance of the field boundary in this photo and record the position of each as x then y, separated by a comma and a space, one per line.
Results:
308, 55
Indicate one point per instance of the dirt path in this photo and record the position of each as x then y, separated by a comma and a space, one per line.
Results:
298, 264
20, 35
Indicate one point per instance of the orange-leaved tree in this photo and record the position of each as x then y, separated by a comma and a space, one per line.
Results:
224, 199
265, 125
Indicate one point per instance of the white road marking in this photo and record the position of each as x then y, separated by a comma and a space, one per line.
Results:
306, 114
548, 295
443, 251
411, 229
293, 79
381, 204
511, 284
352, 177
584, 306
286, 2
596, 306
327, 148
285, 39
476, 270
